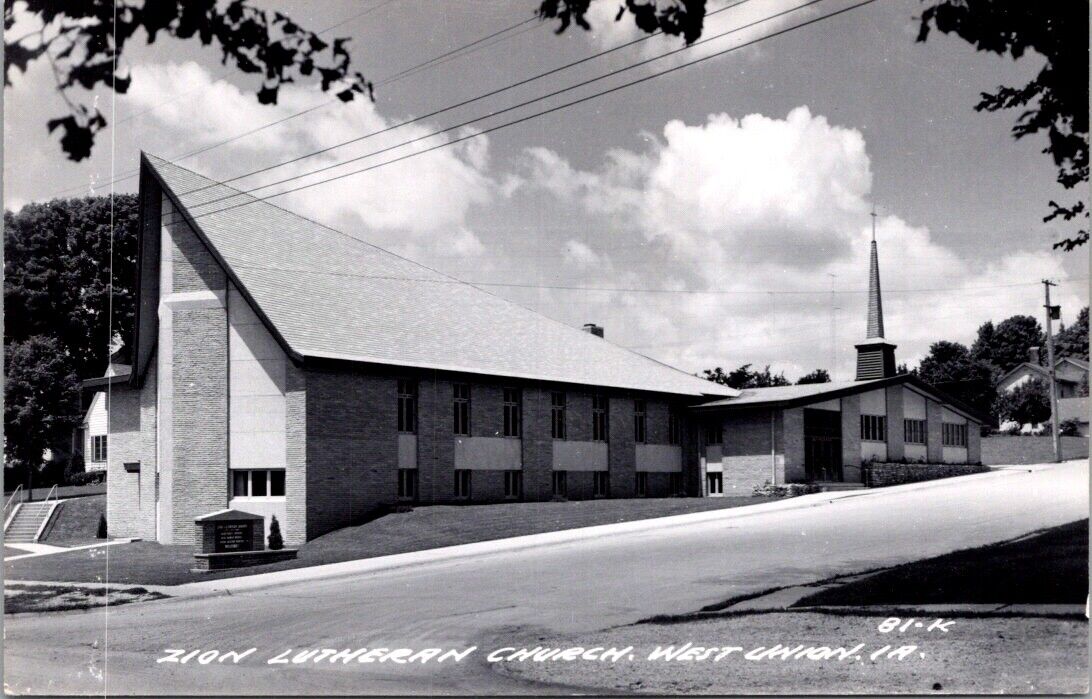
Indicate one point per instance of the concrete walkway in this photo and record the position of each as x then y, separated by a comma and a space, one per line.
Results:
34, 549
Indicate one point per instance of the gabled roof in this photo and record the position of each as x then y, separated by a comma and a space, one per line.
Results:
328, 295
1041, 370
806, 394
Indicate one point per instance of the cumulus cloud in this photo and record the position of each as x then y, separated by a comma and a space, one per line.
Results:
411, 206
766, 215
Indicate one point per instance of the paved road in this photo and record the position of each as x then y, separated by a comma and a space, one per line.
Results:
492, 600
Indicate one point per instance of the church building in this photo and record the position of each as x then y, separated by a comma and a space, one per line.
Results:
289, 370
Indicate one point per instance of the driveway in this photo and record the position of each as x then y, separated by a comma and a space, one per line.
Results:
494, 600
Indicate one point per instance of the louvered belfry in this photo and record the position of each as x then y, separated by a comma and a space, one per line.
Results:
875, 356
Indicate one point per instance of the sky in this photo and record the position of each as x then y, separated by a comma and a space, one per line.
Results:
713, 216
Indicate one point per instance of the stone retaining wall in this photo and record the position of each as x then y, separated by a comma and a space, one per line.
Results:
1019, 449
880, 474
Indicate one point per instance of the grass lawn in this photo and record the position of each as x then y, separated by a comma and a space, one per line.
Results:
77, 521
49, 598
424, 528
976, 656
1049, 567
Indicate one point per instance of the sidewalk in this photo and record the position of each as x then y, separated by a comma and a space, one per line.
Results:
485, 548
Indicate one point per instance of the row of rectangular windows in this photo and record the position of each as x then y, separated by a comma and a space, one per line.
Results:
513, 484
915, 431
512, 418
874, 429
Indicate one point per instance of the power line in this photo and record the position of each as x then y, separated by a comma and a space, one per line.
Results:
408, 72
619, 289
491, 93
538, 114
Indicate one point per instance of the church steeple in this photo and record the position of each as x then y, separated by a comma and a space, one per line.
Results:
875, 301
875, 356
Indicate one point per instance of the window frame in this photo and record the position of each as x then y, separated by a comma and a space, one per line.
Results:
267, 479
713, 430
559, 409
675, 483
954, 434
600, 484
463, 490
408, 484
674, 428
640, 421
512, 412
460, 401
600, 413
641, 486
871, 425
513, 485
714, 477
559, 478
915, 431
407, 406
100, 442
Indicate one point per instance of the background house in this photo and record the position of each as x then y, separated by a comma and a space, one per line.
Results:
1070, 373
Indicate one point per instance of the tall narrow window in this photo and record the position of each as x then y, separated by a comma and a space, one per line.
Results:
513, 485
407, 484
557, 415
462, 484
716, 483
98, 447
407, 406
640, 422
461, 395
599, 417
675, 484
874, 428
560, 484
642, 484
512, 412
714, 433
600, 484
674, 428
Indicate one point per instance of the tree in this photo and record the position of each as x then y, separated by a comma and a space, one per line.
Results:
57, 275
1072, 341
1055, 100
1027, 403
745, 377
41, 402
817, 376
101, 533
950, 367
84, 43
1006, 345
276, 542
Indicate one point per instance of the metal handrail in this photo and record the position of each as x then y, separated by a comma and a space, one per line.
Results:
7, 505
52, 493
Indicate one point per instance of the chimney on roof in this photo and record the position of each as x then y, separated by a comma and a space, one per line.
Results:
1033, 355
594, 329
875, 356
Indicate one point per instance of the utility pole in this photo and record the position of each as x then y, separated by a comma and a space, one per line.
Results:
1050, 311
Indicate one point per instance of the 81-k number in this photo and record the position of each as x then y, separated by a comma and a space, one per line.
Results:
903, 625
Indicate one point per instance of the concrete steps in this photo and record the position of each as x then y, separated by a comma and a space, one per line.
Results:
27, 521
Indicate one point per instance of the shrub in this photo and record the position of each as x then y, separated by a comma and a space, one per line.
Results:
276, 542
87, 478
101, 534
792, 490
1070, 427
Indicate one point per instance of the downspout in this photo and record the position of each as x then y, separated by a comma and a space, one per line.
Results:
773, 448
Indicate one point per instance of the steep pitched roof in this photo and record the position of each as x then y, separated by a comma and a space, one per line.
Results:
1041, 370
326, 294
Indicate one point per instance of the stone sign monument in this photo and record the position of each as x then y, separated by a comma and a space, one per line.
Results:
232, 539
